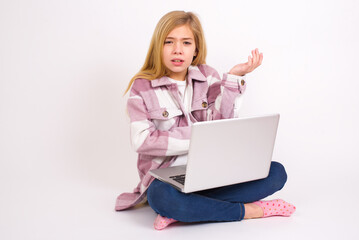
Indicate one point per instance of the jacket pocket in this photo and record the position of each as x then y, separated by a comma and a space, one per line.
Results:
200, 104
165, 113
199, 109
164, 118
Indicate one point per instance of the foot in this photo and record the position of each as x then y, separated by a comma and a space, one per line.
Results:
276, 207
162, 222
252, 211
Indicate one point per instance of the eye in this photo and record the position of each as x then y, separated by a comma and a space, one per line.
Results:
187, 43
168, 42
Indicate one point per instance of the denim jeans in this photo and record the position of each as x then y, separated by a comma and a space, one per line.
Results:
218, 204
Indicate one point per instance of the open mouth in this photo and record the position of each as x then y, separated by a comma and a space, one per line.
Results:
177, 60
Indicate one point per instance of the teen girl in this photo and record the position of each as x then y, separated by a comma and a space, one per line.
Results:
174, 89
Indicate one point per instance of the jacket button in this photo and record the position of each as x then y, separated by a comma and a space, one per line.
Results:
165, 114
243, 82
204, 104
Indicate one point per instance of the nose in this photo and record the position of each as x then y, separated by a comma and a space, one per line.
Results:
177, 48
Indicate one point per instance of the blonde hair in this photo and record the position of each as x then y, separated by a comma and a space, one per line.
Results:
154, 67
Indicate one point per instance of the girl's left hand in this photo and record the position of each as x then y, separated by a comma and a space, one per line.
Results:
253, 62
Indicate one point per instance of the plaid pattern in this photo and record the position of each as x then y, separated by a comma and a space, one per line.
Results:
160, 129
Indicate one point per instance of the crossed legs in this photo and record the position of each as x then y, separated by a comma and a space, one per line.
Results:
219, 204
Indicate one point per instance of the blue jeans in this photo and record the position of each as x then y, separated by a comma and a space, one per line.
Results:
218, 204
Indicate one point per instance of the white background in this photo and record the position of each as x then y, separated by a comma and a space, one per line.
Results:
65, 153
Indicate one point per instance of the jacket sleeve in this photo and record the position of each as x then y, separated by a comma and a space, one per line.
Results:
145, 138
224, 95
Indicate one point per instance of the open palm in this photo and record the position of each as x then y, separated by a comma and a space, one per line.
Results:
253, 62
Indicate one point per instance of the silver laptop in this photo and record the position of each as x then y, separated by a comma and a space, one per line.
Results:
224, 152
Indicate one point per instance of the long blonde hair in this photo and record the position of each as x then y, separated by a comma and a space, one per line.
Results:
153, 67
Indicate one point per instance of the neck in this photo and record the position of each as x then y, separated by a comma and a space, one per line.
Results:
178, 76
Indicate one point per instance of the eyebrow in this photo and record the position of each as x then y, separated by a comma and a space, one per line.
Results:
181, 38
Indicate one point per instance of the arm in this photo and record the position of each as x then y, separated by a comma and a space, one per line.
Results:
225, 97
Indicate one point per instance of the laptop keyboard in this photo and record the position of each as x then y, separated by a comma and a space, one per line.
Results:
179, 178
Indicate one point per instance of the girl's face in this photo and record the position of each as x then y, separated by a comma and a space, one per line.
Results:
178, 51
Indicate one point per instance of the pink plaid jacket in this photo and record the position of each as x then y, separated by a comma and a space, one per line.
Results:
160, 130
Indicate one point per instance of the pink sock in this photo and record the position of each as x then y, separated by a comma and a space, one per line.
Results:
276, 207
162, 222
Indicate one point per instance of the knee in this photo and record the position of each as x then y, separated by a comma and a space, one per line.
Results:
154, 191
158, 194
278, 175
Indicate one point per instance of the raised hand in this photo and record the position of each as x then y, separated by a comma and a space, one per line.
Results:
253, 62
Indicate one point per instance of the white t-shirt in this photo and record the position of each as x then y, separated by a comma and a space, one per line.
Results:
184, 94
186, 100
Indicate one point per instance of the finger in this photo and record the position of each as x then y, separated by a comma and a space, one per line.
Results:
259, 61
252, 57
249, 64
260, 58
250, 61
255, 57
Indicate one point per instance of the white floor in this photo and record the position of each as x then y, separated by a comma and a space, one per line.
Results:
54, 207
